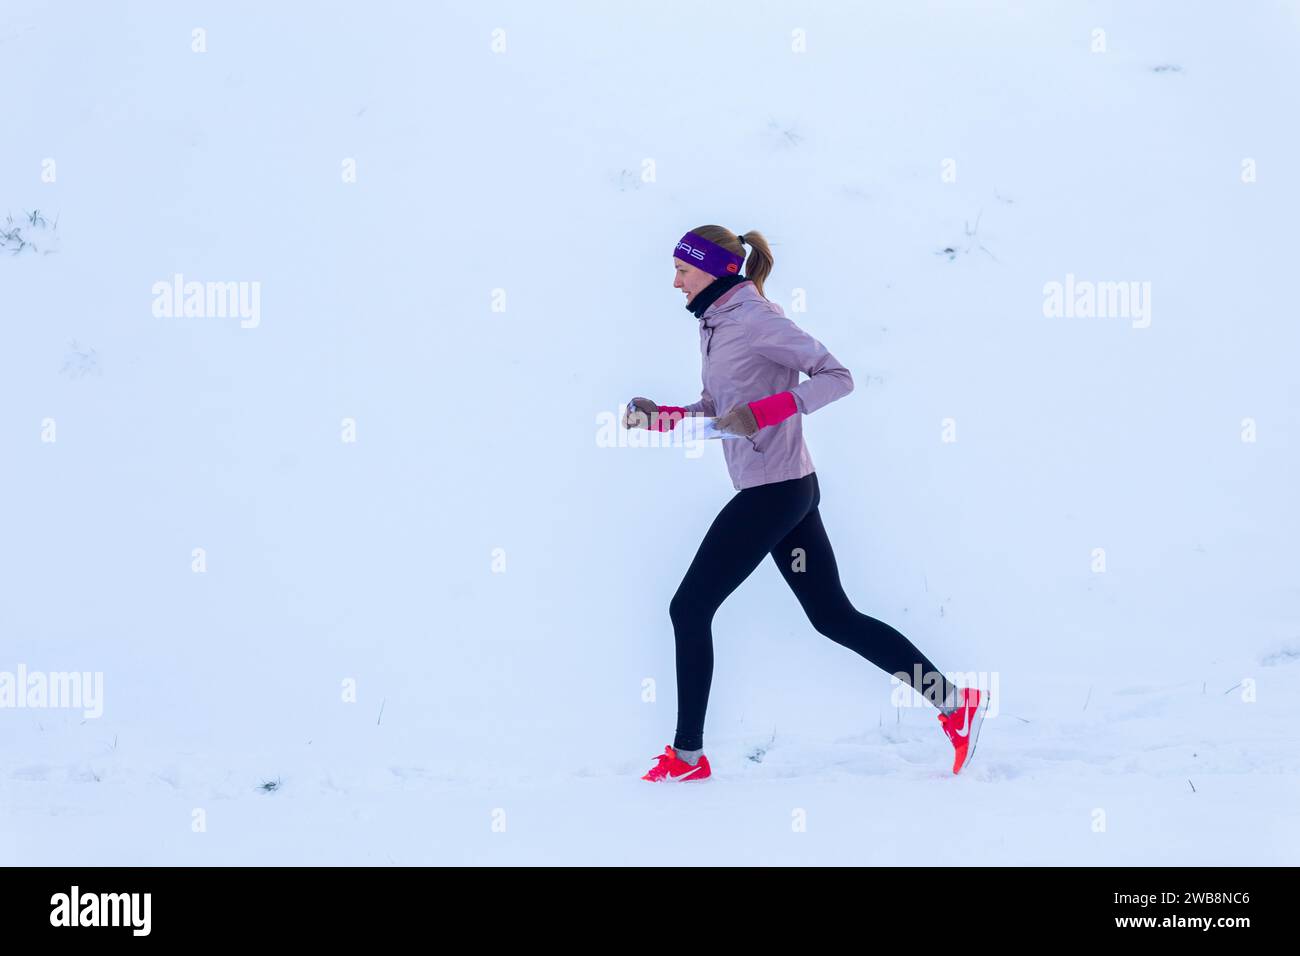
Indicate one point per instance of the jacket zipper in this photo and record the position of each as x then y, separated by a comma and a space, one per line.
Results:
708, 347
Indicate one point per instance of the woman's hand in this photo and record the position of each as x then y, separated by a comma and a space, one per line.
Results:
643, 413
739, 421
638, 413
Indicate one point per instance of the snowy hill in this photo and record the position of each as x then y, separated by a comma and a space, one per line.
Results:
350, 605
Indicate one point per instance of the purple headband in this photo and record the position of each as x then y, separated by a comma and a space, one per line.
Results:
707, 256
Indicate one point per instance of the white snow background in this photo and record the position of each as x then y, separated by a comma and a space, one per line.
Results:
1146, 713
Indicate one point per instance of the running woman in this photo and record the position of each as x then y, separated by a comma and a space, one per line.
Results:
751, 358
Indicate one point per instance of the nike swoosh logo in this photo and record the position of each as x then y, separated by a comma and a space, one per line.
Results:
963, 731
684, 775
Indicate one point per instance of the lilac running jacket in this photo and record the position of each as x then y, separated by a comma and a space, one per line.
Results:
750, 350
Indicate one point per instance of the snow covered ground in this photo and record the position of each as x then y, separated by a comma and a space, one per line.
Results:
348, 607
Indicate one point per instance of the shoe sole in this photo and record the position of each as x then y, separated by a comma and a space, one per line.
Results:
684, 778
977, 721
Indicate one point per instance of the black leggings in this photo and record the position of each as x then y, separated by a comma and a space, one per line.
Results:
776, 519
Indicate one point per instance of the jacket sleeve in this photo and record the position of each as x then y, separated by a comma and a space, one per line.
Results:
776, 338
703, 407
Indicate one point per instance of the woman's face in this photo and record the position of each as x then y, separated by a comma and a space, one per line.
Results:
689, 279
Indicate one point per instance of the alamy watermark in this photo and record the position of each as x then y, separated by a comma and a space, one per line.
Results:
1085, 299
611, 433
39, 690
923, 688
178, 299
78, 908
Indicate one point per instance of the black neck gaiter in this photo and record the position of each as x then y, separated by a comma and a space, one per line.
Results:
711, 293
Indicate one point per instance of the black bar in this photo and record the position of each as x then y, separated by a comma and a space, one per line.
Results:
252, 906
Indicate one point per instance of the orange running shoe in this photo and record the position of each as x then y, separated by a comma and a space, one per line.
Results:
963, 725
673, 767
